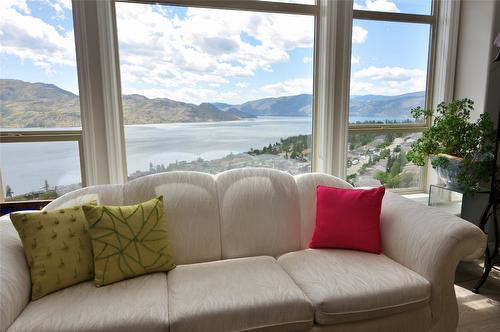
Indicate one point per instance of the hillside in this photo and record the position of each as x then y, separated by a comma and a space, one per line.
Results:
25, 105
138, 109
391, 107
372, 106
300, 105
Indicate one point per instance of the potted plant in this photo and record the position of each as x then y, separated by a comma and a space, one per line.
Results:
461, 151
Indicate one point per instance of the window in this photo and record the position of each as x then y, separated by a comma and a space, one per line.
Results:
390, 74
209, 86
40, 170
395, 6
208, 89
40, 128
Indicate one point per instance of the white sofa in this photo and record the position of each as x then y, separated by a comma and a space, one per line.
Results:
240, 241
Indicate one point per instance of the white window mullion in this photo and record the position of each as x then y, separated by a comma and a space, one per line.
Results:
92, 113
446, 44
100, 94
446, 50
110, 70
333, 70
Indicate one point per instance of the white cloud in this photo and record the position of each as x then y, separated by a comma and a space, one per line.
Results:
387, 81
20, 5
206, 43
185, 57
289, 87
378, 5
355, 60
307, 59
205, 46
194, 95
241, 85
359, 34
59, 6
30, 38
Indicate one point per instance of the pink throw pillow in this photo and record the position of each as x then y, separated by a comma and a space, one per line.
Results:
348, 218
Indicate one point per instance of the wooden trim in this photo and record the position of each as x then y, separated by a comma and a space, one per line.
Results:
39, 136
247, 5
34, 136
14, 206
392, 17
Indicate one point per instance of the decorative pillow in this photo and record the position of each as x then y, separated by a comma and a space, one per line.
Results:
128, 241
57, 247
348, 218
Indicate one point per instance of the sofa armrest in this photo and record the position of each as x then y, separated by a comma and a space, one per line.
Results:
430, 242
15, 280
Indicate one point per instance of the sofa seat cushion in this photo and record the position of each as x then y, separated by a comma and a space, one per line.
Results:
346, 286
139, 304
243, 294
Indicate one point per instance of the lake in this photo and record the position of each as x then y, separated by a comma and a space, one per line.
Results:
25, 166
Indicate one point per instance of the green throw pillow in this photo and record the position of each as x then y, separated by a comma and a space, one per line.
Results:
57, 247
128, 241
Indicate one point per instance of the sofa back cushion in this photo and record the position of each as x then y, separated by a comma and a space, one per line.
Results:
306, 185
237, 213
191, 211
103, 194
260, 212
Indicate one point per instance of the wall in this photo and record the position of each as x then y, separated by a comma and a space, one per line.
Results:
476, 77
478, 20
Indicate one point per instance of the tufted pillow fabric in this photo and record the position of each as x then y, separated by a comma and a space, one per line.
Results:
348, 218
128, 241
57, 247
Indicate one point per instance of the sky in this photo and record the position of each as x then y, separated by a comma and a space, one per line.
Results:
204, 55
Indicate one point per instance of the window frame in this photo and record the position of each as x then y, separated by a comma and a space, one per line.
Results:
312, 10
40, 136
101, 139
431, 20
9, 135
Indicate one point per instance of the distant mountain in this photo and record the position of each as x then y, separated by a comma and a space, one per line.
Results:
386, 107
238, 113
24, 104
370, 106
300, 105
27, 105
138, 109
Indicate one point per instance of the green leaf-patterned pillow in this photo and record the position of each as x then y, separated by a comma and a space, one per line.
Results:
57, 247
128, 241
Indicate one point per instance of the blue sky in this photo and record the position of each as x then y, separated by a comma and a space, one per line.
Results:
198, 55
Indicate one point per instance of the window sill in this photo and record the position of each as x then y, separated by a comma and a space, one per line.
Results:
422, 198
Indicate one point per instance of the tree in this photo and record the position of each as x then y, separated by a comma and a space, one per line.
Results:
351, 178
389, 138
395, 167
8, 191
381, 176
385, 153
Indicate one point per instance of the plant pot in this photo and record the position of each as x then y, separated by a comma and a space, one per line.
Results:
448, 174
